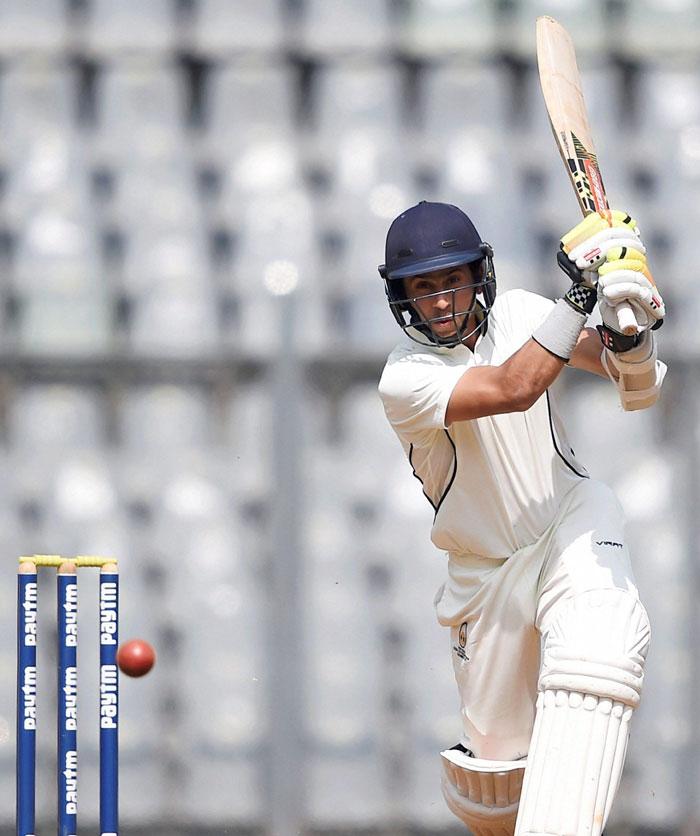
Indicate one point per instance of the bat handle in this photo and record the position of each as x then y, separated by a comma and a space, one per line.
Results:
626, 319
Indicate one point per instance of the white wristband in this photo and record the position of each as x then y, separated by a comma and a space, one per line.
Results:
560, 331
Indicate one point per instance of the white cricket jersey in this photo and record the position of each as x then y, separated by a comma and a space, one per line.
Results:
496, 482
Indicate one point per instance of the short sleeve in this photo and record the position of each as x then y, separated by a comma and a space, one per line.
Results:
521, 312
415, 391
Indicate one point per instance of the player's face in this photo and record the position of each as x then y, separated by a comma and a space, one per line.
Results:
443, 299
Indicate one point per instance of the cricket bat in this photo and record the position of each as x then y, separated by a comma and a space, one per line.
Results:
561, 87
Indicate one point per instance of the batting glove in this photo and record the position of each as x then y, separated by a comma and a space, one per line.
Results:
625, 277
584, 249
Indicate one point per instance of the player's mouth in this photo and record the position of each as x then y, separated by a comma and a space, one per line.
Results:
444, 323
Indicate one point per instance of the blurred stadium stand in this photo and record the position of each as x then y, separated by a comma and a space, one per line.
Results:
194, 196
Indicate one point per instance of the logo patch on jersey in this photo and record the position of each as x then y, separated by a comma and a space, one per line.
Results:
462, 636
609, 543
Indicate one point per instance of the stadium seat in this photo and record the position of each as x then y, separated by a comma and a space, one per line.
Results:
457, 94
68, 325
54, 416
140, 112
356, 124
156, 418
175, 318
333, 28
129, 27
258, 29
586, 20
658, 29
438, 29
38, 101
248, 104
33, 28
155, 199
175, 254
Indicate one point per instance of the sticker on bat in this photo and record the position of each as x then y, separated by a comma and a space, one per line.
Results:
596, 182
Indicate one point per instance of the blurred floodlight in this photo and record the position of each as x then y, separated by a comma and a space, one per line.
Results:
357, 161
83, 490
387, 201
470, 169
52, 233
647, 489
281, 277
48, 163
191, 497
266, 165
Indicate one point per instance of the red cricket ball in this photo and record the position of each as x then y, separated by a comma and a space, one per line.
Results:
136, 657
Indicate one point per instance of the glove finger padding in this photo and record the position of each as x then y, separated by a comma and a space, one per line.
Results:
594, 251
595, 223
627, 279
585, 247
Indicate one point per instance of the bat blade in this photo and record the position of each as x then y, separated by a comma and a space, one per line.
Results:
561, 87
560, 81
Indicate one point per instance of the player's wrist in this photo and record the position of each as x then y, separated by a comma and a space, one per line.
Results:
616, 342
639, 353
560, 331
581, 298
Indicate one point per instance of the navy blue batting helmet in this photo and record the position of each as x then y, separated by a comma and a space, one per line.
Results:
424, 239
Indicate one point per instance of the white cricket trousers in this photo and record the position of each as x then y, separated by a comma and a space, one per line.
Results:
498, 611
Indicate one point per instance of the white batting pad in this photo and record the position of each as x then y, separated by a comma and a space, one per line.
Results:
484, 794
575, 763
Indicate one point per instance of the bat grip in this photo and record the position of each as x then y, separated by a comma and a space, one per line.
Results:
626, 319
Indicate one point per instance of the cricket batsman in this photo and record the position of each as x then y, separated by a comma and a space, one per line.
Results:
548, 634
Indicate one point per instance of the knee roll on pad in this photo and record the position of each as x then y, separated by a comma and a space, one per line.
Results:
484, 794
597, 645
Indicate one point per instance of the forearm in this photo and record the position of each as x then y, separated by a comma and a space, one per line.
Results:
588, 352
515, 385
535, 367
511, 387
530, 371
